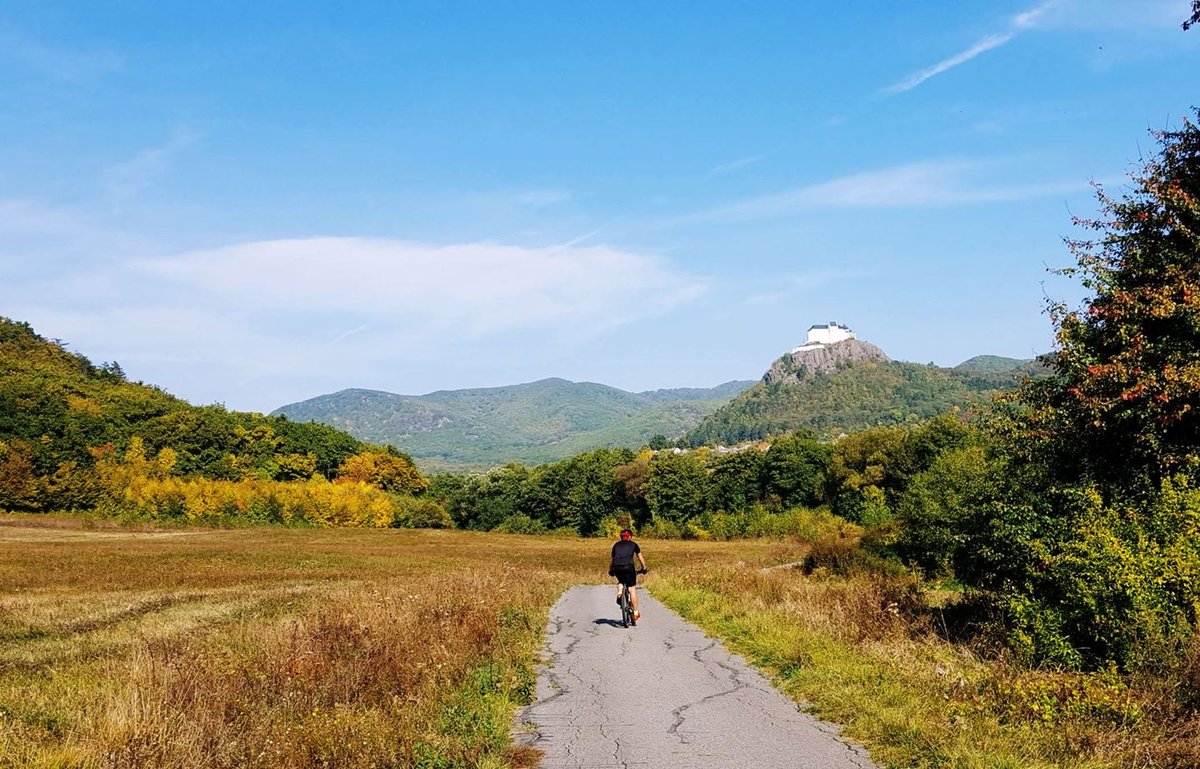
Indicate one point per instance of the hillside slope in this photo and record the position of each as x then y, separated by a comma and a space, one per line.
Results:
57, 408
850, 386
534, 422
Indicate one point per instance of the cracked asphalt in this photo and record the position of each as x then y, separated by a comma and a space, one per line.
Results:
662, 695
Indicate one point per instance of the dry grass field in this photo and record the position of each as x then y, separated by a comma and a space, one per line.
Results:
281, 647
271, 647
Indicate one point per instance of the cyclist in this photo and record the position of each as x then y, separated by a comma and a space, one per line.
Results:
624, 551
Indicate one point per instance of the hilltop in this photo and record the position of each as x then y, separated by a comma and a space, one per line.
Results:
846, 384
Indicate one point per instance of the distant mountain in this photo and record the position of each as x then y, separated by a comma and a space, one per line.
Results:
535, 422
852, 385
996, 364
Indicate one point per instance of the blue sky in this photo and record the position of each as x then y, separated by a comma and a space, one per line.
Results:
255, 203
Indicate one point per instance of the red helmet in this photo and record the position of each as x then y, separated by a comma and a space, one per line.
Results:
626, 534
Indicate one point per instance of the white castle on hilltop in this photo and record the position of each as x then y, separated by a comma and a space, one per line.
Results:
830, 333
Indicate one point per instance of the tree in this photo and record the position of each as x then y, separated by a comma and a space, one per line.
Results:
1125, 403
1088, 540
737, 480
677, 487
390, 470
1195, 17
795, 469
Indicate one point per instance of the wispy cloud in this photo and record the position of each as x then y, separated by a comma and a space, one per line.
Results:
785, 290
473, 288
921, 184
734, 165
34, 233
318, 313
1021, 22
59, 63
125, 180
540, 198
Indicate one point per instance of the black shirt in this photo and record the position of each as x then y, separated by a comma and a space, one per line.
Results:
623, 552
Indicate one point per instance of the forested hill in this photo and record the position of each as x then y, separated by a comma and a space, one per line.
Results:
856, 394
58, 411
536, 422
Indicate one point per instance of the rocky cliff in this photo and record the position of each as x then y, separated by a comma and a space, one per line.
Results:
795, 367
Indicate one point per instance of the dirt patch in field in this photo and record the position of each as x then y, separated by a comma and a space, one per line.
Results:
22, 529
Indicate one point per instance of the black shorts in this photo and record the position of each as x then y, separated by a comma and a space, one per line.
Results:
625, 576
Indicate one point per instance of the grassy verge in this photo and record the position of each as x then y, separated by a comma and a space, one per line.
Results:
862, 651
278, 647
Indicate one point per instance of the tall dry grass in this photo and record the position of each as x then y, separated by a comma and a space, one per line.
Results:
278, 647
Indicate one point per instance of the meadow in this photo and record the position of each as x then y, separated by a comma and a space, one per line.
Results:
345, 647
273, 647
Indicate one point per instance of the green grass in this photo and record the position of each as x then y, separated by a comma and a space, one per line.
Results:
846, 650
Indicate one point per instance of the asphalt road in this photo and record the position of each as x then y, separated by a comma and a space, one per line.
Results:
662, 695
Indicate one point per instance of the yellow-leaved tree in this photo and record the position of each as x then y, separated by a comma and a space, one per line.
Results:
388, 469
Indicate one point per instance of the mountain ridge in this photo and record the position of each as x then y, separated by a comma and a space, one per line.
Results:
539, 421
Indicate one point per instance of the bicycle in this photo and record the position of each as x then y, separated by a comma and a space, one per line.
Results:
626, 602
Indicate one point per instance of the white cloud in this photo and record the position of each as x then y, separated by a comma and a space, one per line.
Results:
1017, 24
915, 79
921, 184
475, 288
126, 180
316, 314
33, 234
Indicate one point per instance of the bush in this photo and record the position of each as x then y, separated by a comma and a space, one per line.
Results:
519, 523
659, 528
1090, 580
420, 513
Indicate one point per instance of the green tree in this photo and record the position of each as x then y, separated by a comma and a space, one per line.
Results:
795, 469
1088, 544
862, 460
736, 481
1124, 405
677, 486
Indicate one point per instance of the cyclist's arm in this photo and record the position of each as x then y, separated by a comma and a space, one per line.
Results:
641, 560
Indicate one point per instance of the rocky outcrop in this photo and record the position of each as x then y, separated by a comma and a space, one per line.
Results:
824, 359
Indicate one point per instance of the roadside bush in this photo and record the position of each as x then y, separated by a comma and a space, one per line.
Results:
836, 553
1091, 580
610, 526
932, 510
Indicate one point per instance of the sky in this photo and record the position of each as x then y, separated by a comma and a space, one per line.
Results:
257, 203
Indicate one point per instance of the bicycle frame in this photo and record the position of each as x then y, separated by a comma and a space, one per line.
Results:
626, 608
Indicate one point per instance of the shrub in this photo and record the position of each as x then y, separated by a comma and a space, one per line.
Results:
420, 513
519, 523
